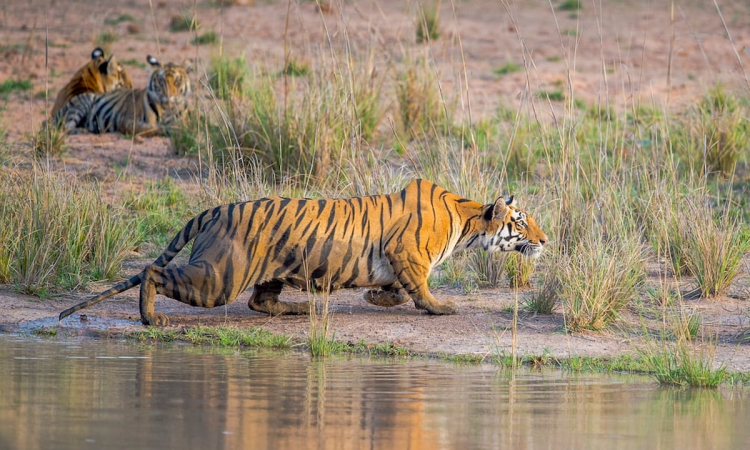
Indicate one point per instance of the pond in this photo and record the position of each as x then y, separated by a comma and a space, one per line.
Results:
80, 393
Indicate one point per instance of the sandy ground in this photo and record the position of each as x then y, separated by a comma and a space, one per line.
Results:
617, 52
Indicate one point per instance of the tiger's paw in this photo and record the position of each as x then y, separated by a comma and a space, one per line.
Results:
442, 309
155, 319
386, 299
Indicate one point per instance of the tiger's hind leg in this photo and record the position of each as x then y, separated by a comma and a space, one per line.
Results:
387, 296
265, 298
193, 284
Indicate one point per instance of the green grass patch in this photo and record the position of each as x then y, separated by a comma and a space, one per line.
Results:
216, 336
119, 19
556, 96
570, 5
207, 38
132, 62
13, 85
509, 67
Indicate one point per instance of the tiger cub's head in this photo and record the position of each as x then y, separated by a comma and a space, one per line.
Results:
511, 229
98, 76
169, 87
107, 71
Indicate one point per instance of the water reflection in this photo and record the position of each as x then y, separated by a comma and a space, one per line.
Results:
100, 394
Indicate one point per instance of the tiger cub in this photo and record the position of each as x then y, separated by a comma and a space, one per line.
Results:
143, 112
98, 76
386, 242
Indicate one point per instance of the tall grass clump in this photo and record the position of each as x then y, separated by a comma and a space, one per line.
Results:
227, 77
421, 109
59, 233
713, 247
602, 266
428, 21
312, 127
711, 136
600, 280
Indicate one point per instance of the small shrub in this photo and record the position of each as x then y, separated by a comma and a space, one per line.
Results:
50, 141
208, 38
188, 22
544, 300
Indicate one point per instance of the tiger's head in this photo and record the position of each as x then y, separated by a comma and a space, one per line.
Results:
98, 76
508, 228
108, 72
169, 87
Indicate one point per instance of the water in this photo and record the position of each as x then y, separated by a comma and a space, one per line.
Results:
97, 394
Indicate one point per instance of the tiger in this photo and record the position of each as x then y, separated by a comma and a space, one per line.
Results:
389, 243
98, 76
143, 112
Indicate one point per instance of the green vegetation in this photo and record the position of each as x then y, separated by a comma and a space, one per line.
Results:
187, 22
428, 22
570, 5
119, 19
105, 40
134, 63
228, 77
509, 67
13, 85
683, 365
58, 233
217, 336
50, 141
207, 38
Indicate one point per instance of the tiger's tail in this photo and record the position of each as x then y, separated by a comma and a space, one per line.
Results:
188, 232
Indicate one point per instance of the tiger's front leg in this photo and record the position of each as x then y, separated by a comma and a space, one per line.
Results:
413, 277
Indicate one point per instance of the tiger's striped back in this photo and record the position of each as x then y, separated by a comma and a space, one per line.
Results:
98, 76
143, 112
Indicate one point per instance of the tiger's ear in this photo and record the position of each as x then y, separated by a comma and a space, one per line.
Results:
97, 53
498, 210
105, 65
153, 61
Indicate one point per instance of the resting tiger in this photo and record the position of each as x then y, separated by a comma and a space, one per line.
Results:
143, 112
100, 75
387, 242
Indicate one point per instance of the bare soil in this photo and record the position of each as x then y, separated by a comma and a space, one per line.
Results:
621, 55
